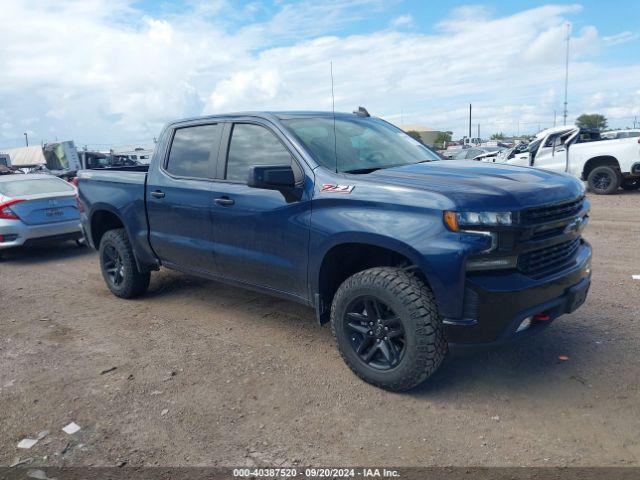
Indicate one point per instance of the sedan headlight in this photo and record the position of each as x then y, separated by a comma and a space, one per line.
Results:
457, 221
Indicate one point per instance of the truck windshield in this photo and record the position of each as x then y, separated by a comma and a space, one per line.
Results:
360, 145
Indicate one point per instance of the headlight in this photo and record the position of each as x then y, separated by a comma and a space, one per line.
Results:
457, 221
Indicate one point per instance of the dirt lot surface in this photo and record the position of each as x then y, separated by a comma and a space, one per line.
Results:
212, 375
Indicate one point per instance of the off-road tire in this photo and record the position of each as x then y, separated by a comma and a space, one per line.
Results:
134, 283
413, 302
631, 184
614, 180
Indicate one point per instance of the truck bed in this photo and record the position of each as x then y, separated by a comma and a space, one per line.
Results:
120, 190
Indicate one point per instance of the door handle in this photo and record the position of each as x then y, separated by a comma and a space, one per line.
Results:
224, 201
157, 194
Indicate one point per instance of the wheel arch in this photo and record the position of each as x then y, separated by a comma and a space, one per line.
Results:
102, 219
599, 161
351, 254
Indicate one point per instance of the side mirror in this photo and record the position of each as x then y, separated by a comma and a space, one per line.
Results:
271, 177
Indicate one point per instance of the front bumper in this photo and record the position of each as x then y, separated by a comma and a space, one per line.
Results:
499, 303
17, 233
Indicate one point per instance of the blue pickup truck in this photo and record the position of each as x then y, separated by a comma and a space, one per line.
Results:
403, 253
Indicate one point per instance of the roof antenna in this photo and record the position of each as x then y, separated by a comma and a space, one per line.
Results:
333, 111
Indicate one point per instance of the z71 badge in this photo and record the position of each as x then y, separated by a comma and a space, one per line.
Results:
331, 188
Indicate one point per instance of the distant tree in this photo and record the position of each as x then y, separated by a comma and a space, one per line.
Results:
592, 121
415, 135
442, 138
498, 136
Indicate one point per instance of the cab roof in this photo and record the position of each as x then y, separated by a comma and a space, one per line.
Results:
272, 115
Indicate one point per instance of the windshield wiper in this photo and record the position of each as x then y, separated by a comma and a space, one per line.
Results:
363, 170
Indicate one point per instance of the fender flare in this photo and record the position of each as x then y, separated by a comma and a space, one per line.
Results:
365, 238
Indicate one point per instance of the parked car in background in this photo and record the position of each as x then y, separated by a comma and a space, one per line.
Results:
37, 208
521, 150
56, 157
345, 213
473, 152
450, 151
605, 165
615, 134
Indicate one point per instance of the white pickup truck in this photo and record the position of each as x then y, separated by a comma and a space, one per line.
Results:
605, 165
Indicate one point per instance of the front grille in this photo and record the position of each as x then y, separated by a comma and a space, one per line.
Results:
544, 261
544, 234
550, 213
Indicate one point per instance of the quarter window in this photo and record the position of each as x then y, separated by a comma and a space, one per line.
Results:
194, 151
253, 145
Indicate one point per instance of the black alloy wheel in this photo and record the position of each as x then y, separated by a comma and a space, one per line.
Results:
602, 181
387, 328
376, 333
113, 265
118, 265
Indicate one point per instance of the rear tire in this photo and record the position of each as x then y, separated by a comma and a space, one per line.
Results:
416, 339
604, 180
118, 266
631, 184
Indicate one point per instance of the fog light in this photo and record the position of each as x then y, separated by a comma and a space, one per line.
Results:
526, 323
491, 263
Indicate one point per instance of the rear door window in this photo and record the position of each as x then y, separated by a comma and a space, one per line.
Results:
253, 145
194, 151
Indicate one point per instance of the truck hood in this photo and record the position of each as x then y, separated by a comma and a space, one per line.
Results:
483, 185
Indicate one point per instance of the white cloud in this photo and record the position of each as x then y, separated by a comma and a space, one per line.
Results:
101, 71
402, 21
622, 37
256, 86
549, 45
463, 17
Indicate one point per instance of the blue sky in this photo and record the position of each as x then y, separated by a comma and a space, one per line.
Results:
111, 72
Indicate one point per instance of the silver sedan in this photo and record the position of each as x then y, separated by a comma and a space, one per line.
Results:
36, 208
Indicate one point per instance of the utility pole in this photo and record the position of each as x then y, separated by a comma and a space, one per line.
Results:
26, 138
478, 130
469, 121
566, 74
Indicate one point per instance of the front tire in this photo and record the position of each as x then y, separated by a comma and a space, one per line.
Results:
118, 266
387, 328
604, 180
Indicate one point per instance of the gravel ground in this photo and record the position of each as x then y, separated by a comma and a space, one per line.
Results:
207, 374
